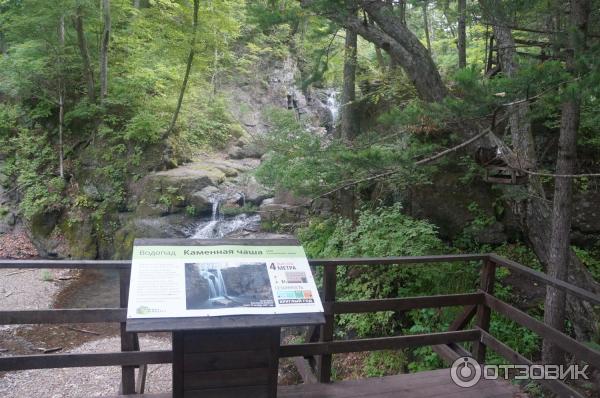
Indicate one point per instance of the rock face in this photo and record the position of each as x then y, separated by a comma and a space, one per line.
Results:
251, 280
165, 204
278, 90
8, 210
446, 204
284, 209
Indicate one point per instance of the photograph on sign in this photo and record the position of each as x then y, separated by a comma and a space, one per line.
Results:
212, 285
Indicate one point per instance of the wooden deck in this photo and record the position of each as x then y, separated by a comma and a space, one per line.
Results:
436, 383
430, 384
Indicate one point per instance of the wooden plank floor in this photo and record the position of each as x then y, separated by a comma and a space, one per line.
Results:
431, 384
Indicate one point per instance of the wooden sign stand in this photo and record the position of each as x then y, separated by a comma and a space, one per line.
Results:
226, 363
226, 356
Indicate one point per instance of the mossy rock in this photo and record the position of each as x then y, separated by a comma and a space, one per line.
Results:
41, 225
171, 191
171, 226
80, 237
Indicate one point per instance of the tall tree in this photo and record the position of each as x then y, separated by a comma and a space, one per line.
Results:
462, 34
348, 122
403, 46
560, 247
85, 54
426, 24
61, 94
188, 67
535, 214
104, 42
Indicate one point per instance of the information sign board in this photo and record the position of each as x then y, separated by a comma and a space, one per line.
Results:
172, 280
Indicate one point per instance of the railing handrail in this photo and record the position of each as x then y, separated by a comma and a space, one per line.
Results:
375, 261
478, 303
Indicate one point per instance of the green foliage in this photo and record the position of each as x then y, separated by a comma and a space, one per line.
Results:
591, 259
191, 210
384, 363
210, 124
306, 164
147, 57
387, 232
520, 339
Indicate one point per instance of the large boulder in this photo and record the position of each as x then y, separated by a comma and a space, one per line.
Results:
254, 192
203, 199
167, 192
245, 147
170, 226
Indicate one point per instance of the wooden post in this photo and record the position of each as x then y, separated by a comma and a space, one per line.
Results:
486, 284
127, 339
329, 287
241, 362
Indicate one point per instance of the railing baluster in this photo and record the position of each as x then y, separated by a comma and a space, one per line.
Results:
329, 288
127, 339
486, 284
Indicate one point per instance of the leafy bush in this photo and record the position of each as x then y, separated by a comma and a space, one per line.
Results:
384, 232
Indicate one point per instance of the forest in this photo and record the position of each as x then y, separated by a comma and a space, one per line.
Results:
365, 128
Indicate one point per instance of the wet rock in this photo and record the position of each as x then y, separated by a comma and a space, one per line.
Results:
167, 192
274, 212
171, 226
254, 192
202, 200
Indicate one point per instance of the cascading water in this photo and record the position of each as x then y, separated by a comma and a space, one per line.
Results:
333, 105
220, 226
216, 284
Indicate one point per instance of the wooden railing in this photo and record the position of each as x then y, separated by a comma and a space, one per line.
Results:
320, 343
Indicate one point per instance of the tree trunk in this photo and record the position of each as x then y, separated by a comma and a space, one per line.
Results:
348, 127
188, 68
560, 243
136, 4
348, 124
462, 34
535, 213
213, 79
2, 44
426, 26
558, 262
378, 52
61, 96
104, 50
404, 48
85, 55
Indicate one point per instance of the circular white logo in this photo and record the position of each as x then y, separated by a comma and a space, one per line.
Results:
465, 372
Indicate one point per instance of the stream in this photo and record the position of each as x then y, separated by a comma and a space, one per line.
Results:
100, 288
220, 226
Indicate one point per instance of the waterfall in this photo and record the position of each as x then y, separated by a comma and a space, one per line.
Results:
220, 226
212, 228
216, 283
333, 105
